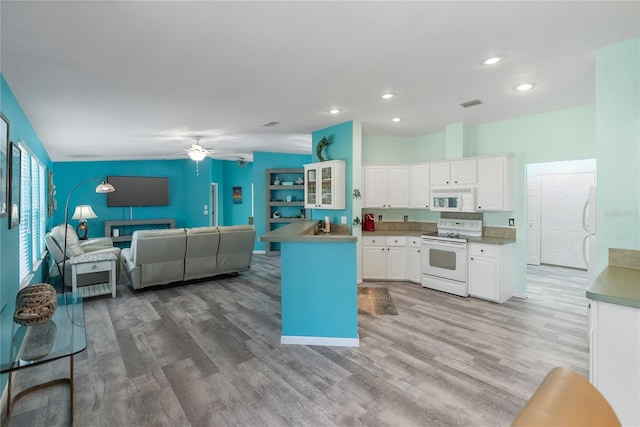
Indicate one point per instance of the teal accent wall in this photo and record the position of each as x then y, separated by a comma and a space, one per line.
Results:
618, 149
188, 192
319, 290
261, 162
20, 129
235, 176
340, 148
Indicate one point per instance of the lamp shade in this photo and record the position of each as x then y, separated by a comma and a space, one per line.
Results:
104, 187
83, 213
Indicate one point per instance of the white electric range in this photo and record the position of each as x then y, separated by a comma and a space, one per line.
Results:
445, 254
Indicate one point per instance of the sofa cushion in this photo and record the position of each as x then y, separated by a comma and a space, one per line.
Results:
236, 248
156, 257
202, 252
73, 242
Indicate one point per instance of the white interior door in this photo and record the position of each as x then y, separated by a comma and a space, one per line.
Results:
562, 197
533, 221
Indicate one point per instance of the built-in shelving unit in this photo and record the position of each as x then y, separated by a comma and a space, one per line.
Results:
126, 228
284, 195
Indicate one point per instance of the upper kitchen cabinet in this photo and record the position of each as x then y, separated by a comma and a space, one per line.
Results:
454, 172
386, 186
325, 185
419, 186
495, 183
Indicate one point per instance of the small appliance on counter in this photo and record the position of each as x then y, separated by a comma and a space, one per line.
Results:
369, 224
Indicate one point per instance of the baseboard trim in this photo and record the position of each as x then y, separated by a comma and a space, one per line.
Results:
520, 296
325, 341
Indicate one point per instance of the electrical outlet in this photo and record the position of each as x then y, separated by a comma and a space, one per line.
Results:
512, 222
343, 220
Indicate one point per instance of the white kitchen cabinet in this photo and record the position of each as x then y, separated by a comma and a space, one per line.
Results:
386, 186
495, 184
491, 271
374, 260
419, 186
454, 172
414, 269
614, 352
325, 185
384, 258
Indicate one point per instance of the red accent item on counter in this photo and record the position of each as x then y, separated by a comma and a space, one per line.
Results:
369, 224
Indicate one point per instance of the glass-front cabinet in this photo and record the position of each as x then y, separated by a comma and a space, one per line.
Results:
325, 185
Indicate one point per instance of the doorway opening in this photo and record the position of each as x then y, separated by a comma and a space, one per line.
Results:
213, 217
556, 196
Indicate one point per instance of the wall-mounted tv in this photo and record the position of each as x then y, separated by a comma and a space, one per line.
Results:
138, 191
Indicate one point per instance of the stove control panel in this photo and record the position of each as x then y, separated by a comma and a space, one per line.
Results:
463, 227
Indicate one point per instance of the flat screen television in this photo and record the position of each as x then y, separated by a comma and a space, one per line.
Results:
138, 191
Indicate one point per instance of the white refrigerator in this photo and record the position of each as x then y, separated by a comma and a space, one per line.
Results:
589, 242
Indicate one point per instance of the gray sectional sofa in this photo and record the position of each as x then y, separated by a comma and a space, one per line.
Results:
159, 257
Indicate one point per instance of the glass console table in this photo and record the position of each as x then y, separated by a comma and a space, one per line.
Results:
62, 336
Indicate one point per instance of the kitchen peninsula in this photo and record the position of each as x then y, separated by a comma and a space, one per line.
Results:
614, 323
318, 285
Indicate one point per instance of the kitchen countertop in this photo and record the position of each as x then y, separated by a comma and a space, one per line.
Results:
484, 239
302, 232
617, 285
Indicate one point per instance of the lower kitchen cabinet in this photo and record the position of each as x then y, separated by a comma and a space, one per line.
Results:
384, 258
614, 350
414, 268
491, 271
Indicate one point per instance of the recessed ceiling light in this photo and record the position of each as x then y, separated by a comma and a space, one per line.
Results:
494, 60
388, 95
335, 111
396, 119
523, 87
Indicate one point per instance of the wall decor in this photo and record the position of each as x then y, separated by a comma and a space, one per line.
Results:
237, 195
4, 147
14, 185
52, 204
324, 142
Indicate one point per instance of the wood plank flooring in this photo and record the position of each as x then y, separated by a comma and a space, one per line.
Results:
208, 354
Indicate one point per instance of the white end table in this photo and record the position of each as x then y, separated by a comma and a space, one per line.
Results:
94, 263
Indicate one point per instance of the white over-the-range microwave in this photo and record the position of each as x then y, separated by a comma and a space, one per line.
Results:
462, 199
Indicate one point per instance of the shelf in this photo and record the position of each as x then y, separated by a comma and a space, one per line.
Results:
286, 187
276, 198
132, 225
278, 203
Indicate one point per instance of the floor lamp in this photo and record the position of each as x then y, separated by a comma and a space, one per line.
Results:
103, 187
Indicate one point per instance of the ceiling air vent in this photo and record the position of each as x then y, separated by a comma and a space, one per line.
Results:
471, 103
270, 124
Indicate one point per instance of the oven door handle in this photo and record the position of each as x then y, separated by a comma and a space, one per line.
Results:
443, 243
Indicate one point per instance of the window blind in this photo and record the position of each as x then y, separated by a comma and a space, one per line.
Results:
33, 211
25, 214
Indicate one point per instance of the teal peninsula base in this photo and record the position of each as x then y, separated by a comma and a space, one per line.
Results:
319, 287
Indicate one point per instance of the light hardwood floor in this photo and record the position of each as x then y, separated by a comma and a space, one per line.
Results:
208, 354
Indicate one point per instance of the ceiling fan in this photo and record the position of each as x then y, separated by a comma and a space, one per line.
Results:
197, 152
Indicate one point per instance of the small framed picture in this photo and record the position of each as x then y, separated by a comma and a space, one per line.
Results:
237, 195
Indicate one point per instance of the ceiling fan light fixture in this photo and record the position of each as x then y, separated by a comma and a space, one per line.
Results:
196, 154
